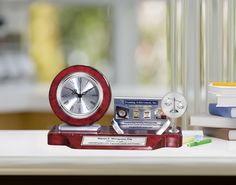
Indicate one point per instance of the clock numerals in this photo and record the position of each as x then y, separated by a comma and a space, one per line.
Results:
79, 110
93, 103
69, 103
66, 102
84, 108
65, 96
72, 108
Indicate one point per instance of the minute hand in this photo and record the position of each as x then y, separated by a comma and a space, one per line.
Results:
85, 92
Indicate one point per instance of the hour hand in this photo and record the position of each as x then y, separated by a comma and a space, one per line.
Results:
72, 90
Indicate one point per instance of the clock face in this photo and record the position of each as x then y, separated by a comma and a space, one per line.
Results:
80, 95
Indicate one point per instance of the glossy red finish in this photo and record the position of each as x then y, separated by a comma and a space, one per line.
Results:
101, 110
73, 139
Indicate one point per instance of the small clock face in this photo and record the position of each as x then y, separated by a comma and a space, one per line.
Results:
122, 113
79, 95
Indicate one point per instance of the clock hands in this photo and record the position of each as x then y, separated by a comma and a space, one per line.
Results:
80, 85
72, 90
85, 92
79, 97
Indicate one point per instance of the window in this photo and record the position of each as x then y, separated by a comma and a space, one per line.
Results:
144, 48
124, 40
151, 52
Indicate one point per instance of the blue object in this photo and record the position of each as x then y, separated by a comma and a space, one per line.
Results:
138, 113
221, 111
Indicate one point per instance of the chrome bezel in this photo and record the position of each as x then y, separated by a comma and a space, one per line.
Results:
93, 81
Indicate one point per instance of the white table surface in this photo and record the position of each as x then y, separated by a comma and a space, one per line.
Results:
27, 153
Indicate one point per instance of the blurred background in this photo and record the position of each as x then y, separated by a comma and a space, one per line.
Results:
125, 40
144, 48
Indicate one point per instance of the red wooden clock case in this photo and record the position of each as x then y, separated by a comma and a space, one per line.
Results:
100, 111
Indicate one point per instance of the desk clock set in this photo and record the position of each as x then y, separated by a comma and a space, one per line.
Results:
80, 95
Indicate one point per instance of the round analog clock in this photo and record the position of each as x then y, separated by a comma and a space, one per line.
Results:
80, 95
121, 112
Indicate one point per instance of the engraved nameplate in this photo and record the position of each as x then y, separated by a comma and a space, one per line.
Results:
113, 141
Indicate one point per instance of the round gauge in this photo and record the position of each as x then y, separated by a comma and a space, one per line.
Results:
173, 105
122, 113
80, 95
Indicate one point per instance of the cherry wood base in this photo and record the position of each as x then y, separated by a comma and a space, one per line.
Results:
76, 139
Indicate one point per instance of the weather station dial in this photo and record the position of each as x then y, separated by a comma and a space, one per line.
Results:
80, 95
174, 105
